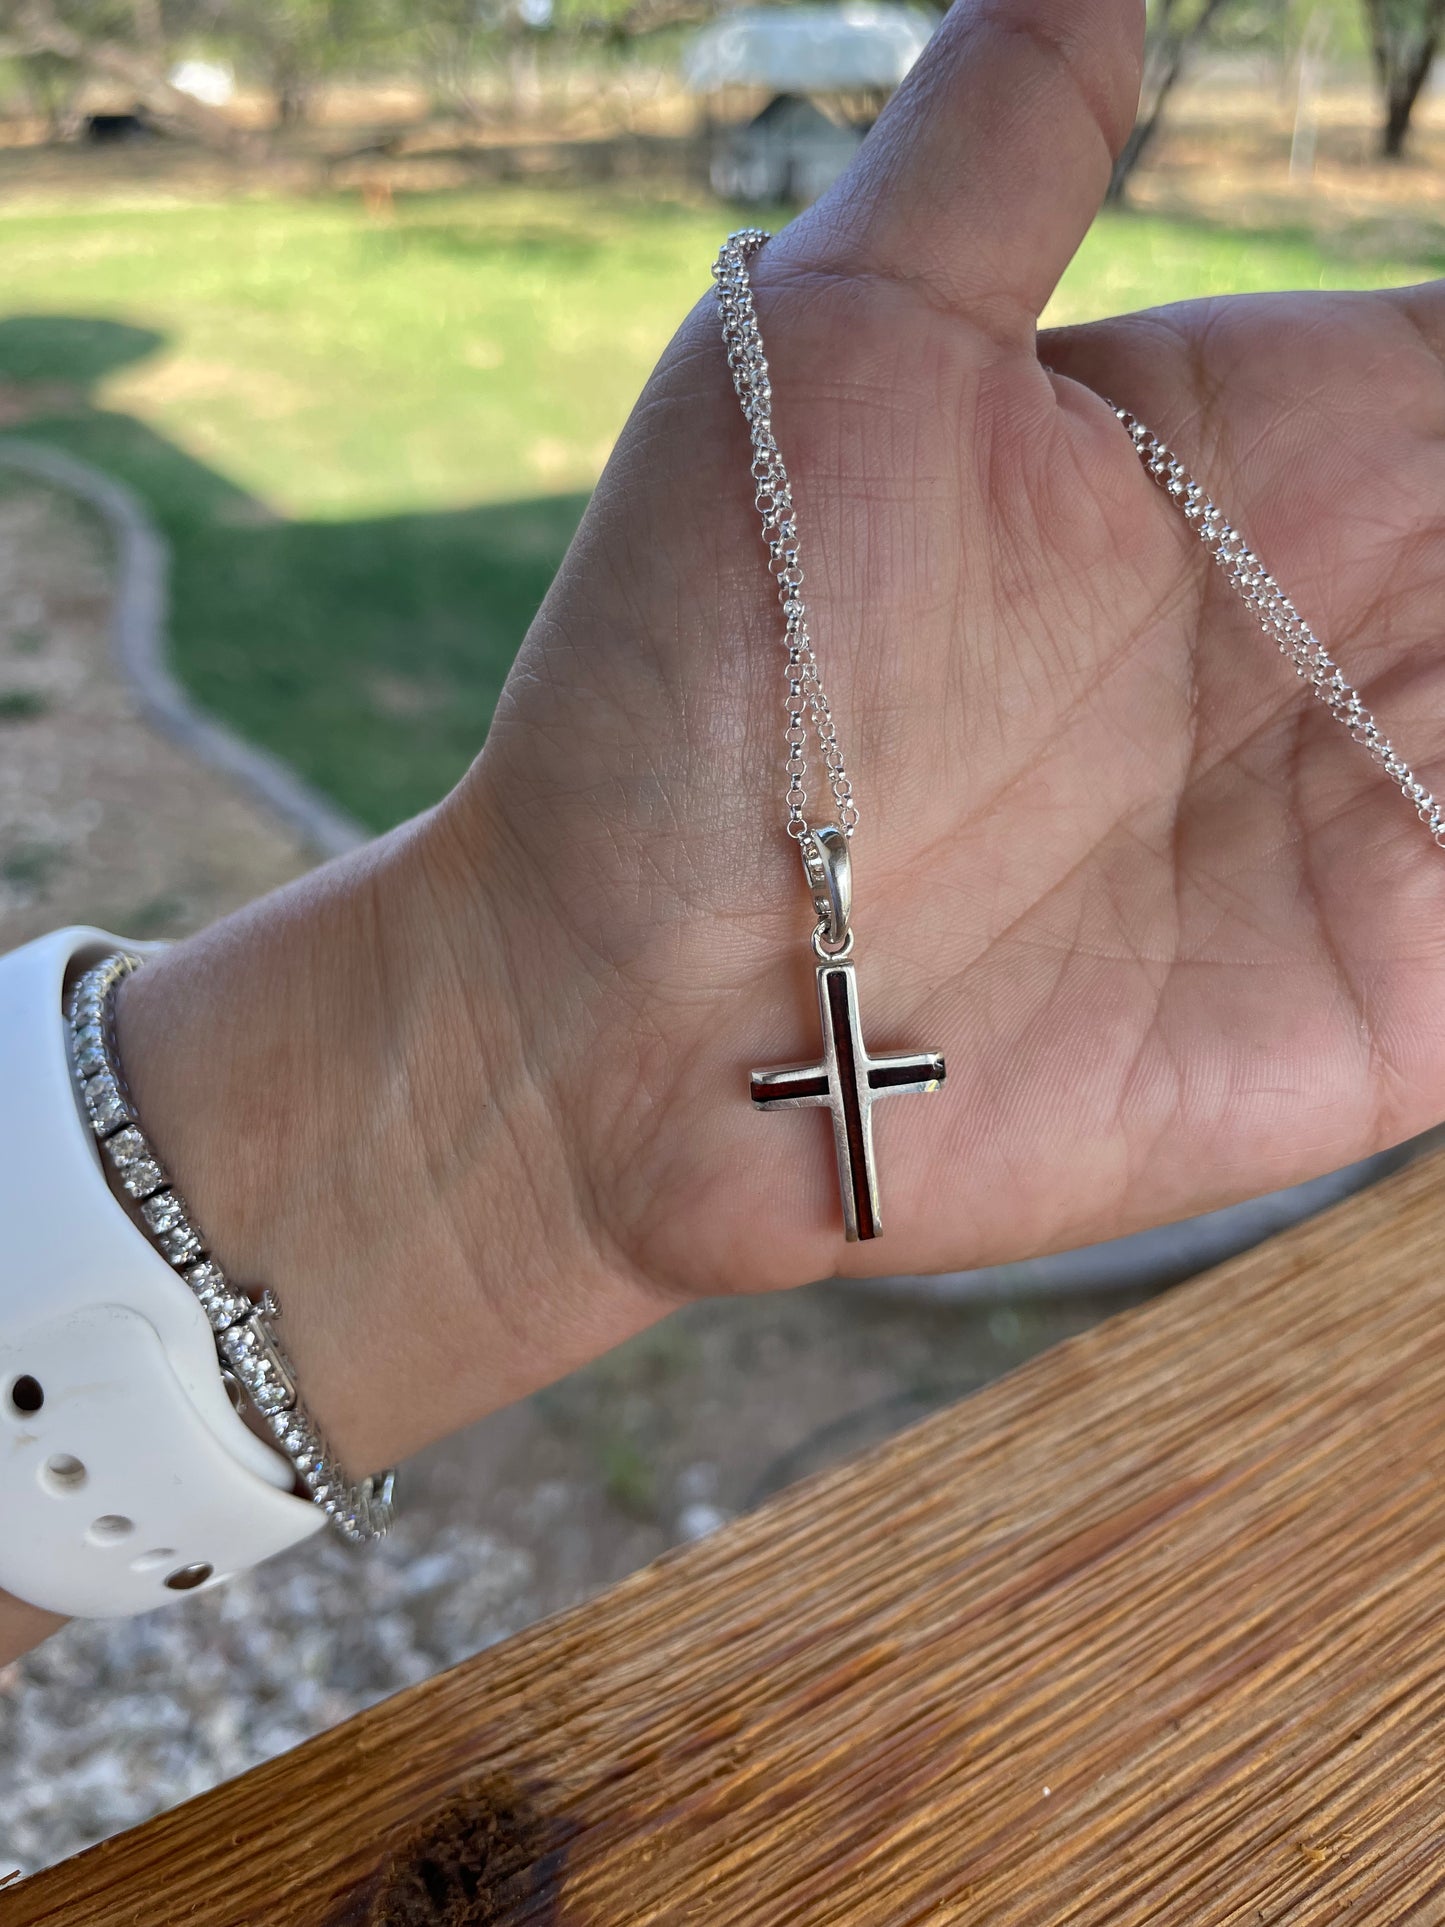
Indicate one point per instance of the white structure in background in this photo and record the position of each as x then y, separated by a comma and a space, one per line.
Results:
790, 154
851, 56
857, 47
204, 80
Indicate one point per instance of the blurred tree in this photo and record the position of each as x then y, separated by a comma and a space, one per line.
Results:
623, 21
49, 88
450, 35
292, 45
1176, 28
458, 41
289, 45
1280, 27
121, 41
1404, 39
462, 43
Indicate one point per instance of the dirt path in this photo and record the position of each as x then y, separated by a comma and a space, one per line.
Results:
100, 819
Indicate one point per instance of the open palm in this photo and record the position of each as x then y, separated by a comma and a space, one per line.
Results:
1178, 938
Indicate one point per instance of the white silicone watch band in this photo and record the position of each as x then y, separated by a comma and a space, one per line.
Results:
134, 1450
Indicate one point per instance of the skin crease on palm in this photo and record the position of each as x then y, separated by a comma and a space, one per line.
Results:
1178, 937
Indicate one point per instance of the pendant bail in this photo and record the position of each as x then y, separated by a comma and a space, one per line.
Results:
829, 870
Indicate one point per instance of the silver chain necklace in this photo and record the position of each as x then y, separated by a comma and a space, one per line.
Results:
773, 498
847, 1080
1280, 620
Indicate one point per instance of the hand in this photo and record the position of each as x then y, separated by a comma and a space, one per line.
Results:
1178, 938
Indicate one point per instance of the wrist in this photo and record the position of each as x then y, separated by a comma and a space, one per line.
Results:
23, 1626
348, 1092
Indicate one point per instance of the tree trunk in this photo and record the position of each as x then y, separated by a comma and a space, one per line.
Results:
49, 87
1397, 125
1403, 57
1164, 64
149, 30
1131, 153
290, 101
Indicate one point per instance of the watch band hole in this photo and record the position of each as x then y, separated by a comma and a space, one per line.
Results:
62, 1475
27, 1395
185, 1577
151, 1561
109, 1529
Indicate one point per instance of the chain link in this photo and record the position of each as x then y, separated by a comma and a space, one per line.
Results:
1280, 620
807, 702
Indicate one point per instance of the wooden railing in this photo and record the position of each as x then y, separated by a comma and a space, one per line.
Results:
1152, 1631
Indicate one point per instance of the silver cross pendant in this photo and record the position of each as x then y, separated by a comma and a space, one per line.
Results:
847, 1080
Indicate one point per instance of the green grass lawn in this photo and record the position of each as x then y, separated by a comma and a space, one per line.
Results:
369, 443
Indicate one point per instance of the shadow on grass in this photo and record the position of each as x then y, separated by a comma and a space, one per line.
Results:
370, 654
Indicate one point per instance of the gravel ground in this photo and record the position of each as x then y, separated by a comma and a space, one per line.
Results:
113, 1721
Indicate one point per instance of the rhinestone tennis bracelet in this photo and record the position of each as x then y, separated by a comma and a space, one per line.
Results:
248, 1353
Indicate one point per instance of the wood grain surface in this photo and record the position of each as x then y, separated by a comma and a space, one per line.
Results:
1151, 1631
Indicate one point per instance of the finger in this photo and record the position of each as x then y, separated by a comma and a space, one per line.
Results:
1423, 306
1314, 422
986, 168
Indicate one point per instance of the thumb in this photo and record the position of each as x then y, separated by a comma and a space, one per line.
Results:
983, 173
